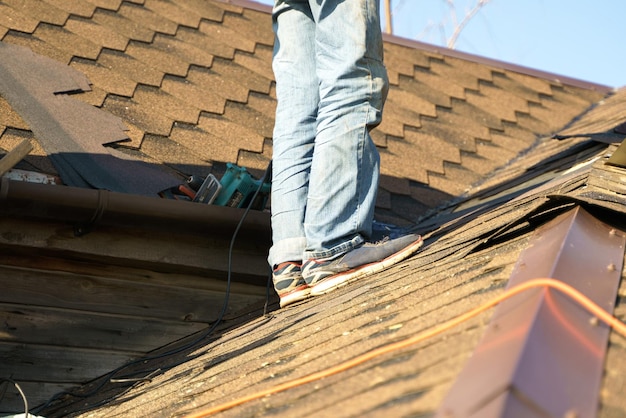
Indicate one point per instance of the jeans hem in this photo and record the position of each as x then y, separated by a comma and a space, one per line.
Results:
289, 249
335, 251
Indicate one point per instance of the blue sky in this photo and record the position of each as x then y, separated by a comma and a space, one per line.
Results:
583, 39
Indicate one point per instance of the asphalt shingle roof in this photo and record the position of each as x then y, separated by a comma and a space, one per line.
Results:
467, 160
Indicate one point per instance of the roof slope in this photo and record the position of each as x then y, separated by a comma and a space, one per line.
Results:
469, 257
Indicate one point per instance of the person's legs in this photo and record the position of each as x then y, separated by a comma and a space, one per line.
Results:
345, 168
353, 86
293, 141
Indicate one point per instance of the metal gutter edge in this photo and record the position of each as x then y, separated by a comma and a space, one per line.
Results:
90, 207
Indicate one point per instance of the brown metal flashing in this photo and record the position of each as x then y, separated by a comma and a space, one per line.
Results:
543, 355
618, 158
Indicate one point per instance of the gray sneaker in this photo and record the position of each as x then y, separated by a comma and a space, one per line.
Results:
289, 283
322, 276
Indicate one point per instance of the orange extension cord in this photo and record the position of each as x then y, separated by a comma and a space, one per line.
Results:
578, 297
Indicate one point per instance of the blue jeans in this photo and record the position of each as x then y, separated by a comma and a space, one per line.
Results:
331, 85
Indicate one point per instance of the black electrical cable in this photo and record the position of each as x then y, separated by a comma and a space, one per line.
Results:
110, 377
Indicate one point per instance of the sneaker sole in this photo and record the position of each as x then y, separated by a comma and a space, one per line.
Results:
333, 282
294, 296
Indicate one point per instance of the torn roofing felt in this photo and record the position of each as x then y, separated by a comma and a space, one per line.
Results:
76, 135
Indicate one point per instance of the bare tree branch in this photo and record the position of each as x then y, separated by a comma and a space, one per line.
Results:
458, 28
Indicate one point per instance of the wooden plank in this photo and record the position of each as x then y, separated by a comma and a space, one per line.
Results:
65, 328
114, 296
157, 250
45, 363
14, 156
37, 393
203, 280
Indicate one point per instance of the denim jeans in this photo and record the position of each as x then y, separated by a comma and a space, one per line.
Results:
331, 85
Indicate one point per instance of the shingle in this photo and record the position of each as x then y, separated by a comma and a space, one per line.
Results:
425, 153
98, 34
156, 101
105, 78
38, 46
152, 57
534, 83
125, 27
183, 51
531, 123
207, 9
230, 131
210, 81
474, 112
455, 181
403, 60
175, 155
239, 74
495, 153
36, 160
12, 19
191, 93
205, 144
130, 68
77, 8
259, 62
499, 103
67, 41
428, 89
95, 97
39, 11
174, 12
256, 161
140, 116
396, 105
106, 4
223, 34
454, 75
393, 125
501, 80
379, 137
148, 18
457, 128
10, 118
205, 43
480, 71
409, 101
262, 22
248, 29
249, 118
395, 185
262, 104
448, 122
